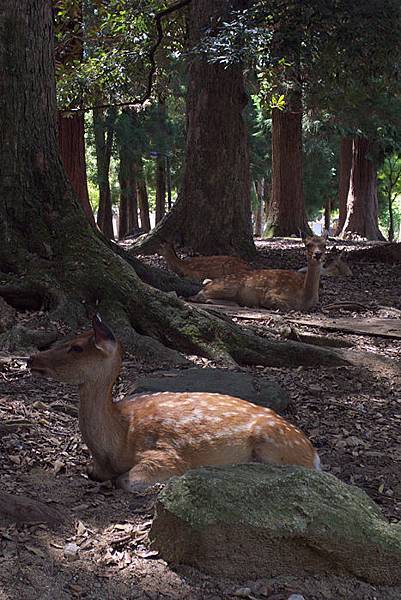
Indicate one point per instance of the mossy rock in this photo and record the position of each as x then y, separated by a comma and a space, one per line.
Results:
262, 521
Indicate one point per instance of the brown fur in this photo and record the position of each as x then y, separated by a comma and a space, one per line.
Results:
203, 267
272, 288
334, 265
150, 437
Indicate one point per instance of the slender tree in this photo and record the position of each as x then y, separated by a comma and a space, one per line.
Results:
71, 128
103, 125
344, 180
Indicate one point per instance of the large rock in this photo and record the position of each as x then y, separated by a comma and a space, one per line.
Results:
261, 521
259, 390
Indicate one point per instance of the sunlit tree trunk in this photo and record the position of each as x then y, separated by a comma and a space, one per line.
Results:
103, 125
344, 181
362, 202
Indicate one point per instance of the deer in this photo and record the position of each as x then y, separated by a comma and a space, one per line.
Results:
271, 288
201, 267
145, 439
334, 265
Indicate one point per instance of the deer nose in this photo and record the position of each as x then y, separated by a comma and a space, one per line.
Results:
318, 255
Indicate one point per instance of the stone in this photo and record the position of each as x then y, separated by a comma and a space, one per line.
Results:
261, 521
71, 551
259, 390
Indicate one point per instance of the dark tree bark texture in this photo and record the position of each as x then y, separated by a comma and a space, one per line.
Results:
143, 200
103, 126
344, 181
216, 180
362, 202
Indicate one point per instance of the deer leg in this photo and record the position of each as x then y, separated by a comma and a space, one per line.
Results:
154, 466
98, 473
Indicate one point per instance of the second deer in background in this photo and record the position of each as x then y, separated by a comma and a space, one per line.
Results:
203, 267
272, 288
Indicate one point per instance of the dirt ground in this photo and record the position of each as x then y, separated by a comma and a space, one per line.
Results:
353, 416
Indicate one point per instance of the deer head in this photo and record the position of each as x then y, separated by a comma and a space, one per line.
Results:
88, 357
315, 247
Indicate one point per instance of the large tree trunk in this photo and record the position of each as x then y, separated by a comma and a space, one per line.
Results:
103, 125
52, 258
216, 180
344, 181
258, 226
124, 178
362, 202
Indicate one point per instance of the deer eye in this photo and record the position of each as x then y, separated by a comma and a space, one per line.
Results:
75, 349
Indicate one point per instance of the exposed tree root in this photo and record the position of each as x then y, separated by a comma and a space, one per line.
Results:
27, 510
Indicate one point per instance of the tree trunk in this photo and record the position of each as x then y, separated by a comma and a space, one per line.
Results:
71, 127
103, 126
327, 214
258, 228
344, 181
390, 217
52, 257
362, 202
160, 188
143, 200
287, 207
216, 179
133, 223
124, 178
71, 137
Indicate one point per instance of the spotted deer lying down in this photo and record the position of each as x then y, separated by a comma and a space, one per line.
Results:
148, 438
272, 288
334, 265
202, 267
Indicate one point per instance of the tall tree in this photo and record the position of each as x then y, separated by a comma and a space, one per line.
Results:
344, 180
362, 202
50, 256
71, 127
216, 178
103, 126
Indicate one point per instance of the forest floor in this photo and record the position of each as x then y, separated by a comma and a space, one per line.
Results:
351, 414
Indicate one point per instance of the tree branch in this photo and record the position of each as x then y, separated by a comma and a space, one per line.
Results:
140, 101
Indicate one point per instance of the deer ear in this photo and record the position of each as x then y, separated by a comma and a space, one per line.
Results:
105, 339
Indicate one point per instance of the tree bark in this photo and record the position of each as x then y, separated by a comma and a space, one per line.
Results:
286, 214
125, 191
68, 267
216, 179
327, 214
258, 227
133, 223
344, 181
362, 202
143, 199
160, 188
71, 127
71, 137
103, 126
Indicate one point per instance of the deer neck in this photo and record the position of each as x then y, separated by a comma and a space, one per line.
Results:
103, 428
311, 285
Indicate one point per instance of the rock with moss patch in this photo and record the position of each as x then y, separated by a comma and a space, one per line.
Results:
261, 390
261, 521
